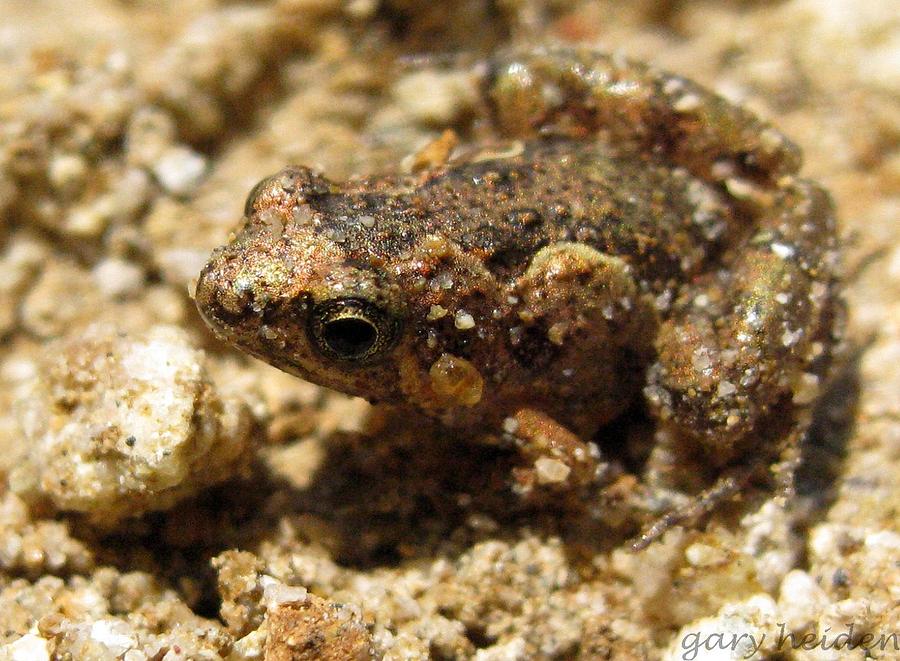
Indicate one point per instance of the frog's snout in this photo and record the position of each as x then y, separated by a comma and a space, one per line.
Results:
214, 308
228, 293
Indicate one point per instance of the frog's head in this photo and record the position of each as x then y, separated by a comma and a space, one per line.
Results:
305, 287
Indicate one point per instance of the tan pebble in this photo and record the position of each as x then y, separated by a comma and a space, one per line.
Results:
437, 312
456, 381
435, 153
557, 333
806, 389
311, 628
436, 246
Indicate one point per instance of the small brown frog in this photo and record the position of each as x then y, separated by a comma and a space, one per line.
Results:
635, 236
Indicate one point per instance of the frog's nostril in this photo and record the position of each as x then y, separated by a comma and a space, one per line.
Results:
217, 297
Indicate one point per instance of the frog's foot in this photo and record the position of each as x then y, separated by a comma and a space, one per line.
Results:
733, 482
556, 458
726, 486
578, 91
751, 341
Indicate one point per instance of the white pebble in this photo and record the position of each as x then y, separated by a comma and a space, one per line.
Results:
702, 361
29, 647
726, 389
276, 593
739, 188
434, 97
783, 250
67, 169
551, 471
790, 338
180, 170
117, 277
463, 320
687, 103
801, 599
704, 555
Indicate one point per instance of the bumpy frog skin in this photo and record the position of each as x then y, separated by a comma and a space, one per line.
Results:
634, 236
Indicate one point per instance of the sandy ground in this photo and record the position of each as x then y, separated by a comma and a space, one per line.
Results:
167, 498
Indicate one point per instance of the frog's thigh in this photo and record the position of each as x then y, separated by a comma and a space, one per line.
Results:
580, 90
724, 365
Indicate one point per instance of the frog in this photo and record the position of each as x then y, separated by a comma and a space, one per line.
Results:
623, 237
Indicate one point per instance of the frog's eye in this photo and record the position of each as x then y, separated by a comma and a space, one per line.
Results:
351, 329
253, 194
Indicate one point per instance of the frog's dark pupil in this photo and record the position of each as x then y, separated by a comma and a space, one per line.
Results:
350, 336
352, 330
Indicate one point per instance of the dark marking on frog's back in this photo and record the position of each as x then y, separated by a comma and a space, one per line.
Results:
369, 223
506, 208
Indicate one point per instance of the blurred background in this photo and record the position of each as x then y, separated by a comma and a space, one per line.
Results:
130, 134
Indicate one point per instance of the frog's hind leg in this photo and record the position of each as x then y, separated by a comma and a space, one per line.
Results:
725, 487
732, 481
580, 92
752, 339
743, 355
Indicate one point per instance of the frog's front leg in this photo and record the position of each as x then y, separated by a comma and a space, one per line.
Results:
586, 332
583, 332
583, 92
752, 339
554, 456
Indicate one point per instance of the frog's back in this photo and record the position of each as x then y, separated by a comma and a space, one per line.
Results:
506, 206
